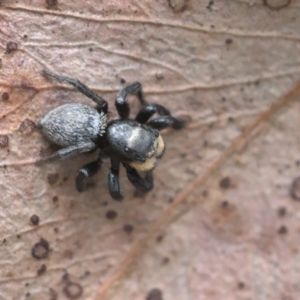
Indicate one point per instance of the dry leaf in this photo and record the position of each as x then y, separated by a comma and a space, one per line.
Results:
222, 221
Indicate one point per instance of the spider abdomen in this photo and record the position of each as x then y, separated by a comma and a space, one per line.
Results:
73, 123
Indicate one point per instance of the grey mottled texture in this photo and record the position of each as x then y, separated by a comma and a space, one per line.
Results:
72, 124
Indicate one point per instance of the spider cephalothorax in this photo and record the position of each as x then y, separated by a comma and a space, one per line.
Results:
133, 142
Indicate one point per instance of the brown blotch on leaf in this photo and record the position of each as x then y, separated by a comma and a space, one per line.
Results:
159, 238
27, 126
41, 270
52, 178
282, 230
276, 4
35, 220
68, 254
165, 260
178, 5
154, 294
128, 228
281, 211
73, 290
111, 214
5, 96
229, 41
295, 189
40, 250
241, 285
53, 294
51, 3
224, 204
55, 199
11, 47
4, 141
225, 182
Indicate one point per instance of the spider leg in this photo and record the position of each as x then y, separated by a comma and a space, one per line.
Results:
121, 103
149, 110
166, 121
86, 172
113, 180
67, 152
142, 184
82, 88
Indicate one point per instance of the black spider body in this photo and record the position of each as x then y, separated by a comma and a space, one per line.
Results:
135, 144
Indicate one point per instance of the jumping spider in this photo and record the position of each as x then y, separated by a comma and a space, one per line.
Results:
133, 142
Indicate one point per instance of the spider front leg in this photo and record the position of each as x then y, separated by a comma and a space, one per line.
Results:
82, 88
121, 102
144, 185
113, 180
86, 172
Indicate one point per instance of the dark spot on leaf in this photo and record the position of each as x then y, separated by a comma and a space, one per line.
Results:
5, 96
51, 3
4, 141
159, 238
165, 260
210, 4
178, 5
128, 228
229, 41
52, 178
35, 219
65, 277
4, 241
40, 250
11, 47
111, 214
27, 295
212, 26
73, 290
25, 36
281, 211
56, 229
41, 270
225, 182
91, 49
295, 189
241, 285
282, 230
55, 199
122, 81
18, 236
276, 4
86, 274
27, 126
230, 119
224, 204
154, 294
53, 294
170, 200
204, 193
